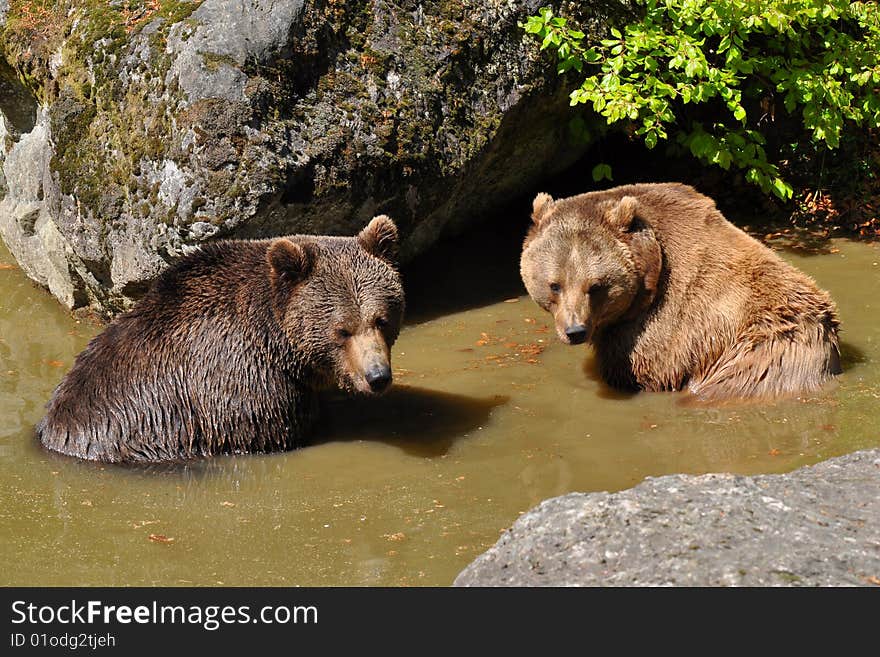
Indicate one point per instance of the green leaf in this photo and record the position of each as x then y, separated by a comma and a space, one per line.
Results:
723, 159
602, 171
591, 56
782, 189
820, 59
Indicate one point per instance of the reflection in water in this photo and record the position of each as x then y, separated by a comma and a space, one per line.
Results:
419, 421
723, 434
590, 369
851, 354
488, 415
38, 342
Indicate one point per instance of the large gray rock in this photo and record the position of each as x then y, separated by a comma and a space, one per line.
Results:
247, 118
26, 223
817, 526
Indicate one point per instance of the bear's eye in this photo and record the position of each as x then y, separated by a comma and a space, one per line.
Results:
596, 288
343, 334
555, 288
381, 322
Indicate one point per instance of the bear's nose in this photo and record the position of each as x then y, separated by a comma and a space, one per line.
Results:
378, 376
576, 333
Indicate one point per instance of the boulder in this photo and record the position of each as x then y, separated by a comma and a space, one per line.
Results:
817, 526
162, 125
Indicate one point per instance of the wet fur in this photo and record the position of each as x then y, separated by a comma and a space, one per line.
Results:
715, 312
227, 351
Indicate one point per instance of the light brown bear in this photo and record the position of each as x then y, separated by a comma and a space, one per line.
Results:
674, 297
227, 351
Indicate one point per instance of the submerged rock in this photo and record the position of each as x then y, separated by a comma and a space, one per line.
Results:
164, 125
817, 526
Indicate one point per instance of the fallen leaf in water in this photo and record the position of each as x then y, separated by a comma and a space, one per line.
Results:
391, 553
530, 349
510, 345
86, 503
827, 427
481, 343
160, 538
515, 300
397, 536
55, 363
774, 452
530, 320
227, 503
4, 266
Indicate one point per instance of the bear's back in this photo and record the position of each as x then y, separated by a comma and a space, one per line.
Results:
203, 337
733, 318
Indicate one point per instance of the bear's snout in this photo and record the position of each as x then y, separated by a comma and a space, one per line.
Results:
378, 377
367, 365
576, 333
574, 330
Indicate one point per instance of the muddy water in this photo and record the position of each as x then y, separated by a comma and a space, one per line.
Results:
488, 416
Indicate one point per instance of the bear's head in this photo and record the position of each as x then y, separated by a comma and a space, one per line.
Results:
591, 261
340, 301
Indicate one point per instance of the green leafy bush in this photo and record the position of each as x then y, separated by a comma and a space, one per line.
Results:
721, 77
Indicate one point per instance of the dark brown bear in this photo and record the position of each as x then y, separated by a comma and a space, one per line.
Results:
673, 296
227, 351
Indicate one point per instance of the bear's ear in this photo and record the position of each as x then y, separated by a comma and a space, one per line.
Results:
379, 238
648, 260
541, 207
289, 261
623, 216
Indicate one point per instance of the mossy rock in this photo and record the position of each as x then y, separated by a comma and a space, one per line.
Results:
175, 122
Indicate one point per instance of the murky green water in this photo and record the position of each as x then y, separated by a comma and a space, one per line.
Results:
488, 416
